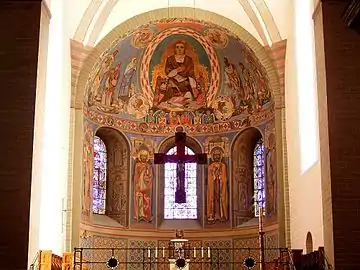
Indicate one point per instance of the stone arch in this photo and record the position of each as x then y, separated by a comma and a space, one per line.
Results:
118, 168
165, 146
309, 243
170, 142
260, 52
242, 154
94, 8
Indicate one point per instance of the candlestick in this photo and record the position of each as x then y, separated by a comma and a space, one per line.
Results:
194, 252
163, 252
202, 252
156, 252
208, 252
149, 254
261, 219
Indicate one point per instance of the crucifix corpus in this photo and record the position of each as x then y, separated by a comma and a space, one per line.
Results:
180, 158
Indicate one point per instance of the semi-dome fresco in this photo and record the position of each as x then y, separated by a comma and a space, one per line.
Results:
178, 72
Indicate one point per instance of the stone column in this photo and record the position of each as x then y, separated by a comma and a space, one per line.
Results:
338, 70
19, 28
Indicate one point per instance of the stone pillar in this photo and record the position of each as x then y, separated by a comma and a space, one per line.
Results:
338, 70
19, 28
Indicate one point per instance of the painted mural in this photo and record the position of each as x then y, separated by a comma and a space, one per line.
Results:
143, 180
217, 188
199, 76
87, 170
271, 182
178, 72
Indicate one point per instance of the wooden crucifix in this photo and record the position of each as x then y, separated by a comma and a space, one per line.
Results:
180, 158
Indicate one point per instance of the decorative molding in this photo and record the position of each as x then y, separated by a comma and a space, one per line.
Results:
161, 234
268, 19
254, 20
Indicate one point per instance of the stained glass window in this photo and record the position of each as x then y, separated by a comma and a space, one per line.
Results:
259, 177
99, 176
174, 210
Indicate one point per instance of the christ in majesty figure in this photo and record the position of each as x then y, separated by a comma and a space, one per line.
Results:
180, 83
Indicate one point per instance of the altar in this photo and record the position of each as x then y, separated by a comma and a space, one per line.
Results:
181, 253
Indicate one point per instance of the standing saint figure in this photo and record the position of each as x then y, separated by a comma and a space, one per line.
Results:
143, 182
271, 175
233, 81
108, 96
217, 191
125, 86
179, 83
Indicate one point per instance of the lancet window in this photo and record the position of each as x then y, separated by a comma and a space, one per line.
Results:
174, 210
99, 176
259, 176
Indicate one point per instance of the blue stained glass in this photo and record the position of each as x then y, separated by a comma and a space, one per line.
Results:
99, 176
174, 210
259, 177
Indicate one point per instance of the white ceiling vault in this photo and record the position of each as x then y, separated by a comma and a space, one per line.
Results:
266, 20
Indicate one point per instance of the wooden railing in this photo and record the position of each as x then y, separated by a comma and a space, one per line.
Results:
287, 260
159, 258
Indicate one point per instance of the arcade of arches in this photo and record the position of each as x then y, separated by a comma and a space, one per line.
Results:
110, 82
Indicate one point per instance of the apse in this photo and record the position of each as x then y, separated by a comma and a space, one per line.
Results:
200, 79
178, 72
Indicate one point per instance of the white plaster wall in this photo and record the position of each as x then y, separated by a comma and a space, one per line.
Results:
74, 11
38, 161
305, 188
55, 133
126, 9
281, 11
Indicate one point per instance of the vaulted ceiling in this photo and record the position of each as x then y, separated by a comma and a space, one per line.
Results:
266, 20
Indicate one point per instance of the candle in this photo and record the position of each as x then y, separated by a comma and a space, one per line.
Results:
149, 254
194, 252
208, 252
156, 252
202, 252
163, 252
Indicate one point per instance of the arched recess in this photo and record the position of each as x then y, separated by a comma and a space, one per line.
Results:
242, 175
309, 243
117, 179
165, 146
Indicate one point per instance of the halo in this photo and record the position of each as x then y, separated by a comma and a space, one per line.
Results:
217, 150
143, 152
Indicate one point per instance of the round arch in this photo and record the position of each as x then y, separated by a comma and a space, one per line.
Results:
309, 243
169, 142
84, 27
117, 175
164, 147
242, 164
178, 12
